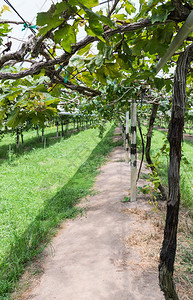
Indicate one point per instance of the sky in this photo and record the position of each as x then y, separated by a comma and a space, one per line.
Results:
28, 9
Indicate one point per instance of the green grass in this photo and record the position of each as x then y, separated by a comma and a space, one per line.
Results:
186, 183
30, 141
39, 189
184, 258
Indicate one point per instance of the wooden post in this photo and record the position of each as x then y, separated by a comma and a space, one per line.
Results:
127, 136
42, 134
133, 151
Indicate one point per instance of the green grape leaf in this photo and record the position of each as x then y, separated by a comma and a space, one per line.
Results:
96, 17
60, 7
13, 119
96, 27
89, 4
84, 50
159, 83
67, 37
121, 17
100, 75
157, 17
129, 7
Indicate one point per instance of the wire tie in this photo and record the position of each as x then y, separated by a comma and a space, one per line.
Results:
65, 80
25, 25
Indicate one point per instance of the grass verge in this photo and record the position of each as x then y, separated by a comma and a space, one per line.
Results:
41, 188
161, 159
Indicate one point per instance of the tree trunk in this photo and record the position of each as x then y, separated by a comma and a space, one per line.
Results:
17, 144
62, 126
21, 136
38, 133
57, 126
148, 146
42, 135
175, 135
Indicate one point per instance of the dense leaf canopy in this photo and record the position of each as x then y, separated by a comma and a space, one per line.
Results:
113, 62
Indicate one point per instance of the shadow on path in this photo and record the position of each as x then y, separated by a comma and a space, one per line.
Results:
57, 209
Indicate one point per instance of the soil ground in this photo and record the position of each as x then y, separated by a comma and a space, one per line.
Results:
111, 252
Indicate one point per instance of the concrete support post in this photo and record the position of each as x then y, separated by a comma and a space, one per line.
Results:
127, 136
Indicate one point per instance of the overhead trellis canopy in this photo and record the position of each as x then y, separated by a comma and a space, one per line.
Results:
117, 35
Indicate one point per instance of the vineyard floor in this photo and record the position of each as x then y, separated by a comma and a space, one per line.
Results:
111, 252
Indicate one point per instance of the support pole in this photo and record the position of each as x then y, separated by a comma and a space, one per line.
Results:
133, 151
127, 136
67, 126
184, 31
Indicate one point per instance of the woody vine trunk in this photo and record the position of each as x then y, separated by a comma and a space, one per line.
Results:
143, 146
175, 135
148, 147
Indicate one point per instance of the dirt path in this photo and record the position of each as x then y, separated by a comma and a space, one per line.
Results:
96, 255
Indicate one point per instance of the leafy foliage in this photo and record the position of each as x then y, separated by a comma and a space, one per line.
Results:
27, 100
4, 28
